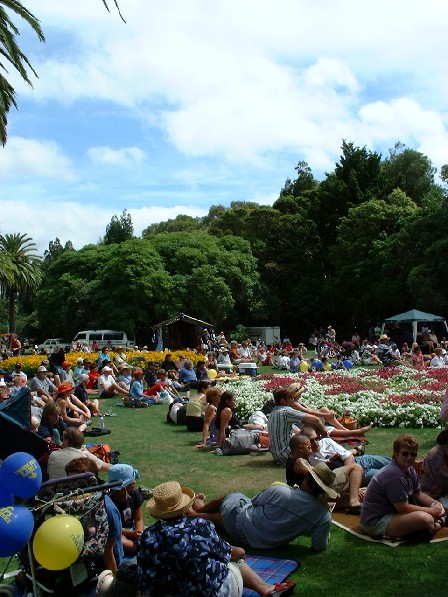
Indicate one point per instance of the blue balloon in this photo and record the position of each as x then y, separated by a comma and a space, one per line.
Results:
16, 527
333, 365
317, 364
6, 497
21, 474
348, 364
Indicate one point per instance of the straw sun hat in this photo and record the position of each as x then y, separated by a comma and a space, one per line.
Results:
323, 476
170, 500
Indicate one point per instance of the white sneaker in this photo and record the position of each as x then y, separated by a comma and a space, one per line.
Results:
105, 584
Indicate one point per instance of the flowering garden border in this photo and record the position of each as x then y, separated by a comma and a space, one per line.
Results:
392, 397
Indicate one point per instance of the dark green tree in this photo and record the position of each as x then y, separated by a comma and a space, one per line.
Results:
410, 171
119, 229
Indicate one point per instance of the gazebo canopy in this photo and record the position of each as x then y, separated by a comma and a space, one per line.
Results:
414, 316
179, 332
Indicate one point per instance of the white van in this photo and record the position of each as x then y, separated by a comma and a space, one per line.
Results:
103, 337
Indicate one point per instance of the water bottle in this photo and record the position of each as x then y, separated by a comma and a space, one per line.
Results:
102, 425
219, 452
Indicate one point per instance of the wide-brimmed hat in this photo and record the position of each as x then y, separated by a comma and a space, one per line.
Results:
107, 368
384, 337
124, 366
66, 364
64, 387
170, 500
122, 472
80, 360
41, 368
82, 378
323, 476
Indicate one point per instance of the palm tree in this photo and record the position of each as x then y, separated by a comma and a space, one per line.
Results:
20, 270
10, 50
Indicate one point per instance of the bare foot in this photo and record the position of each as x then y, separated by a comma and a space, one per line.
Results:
198, 502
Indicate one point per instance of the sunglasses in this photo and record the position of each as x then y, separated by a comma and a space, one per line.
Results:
406, 454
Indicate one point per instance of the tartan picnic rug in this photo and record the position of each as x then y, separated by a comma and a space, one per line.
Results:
271, 570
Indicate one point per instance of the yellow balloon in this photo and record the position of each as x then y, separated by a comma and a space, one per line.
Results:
303, 366
327, 366
212, 373
58, 542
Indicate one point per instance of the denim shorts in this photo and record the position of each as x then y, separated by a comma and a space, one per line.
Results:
378, 529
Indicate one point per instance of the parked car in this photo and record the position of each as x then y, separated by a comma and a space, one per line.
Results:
52, 343
103, 338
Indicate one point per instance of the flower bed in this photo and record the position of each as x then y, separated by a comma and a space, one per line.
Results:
392, 397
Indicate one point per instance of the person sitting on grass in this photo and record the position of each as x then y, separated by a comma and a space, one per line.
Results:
278, 514
51, 427
137, 397
394, 504
94, 375
187, 374
82, 394
107, 386
348, 478
42, 385
334, 428
434, 477
125, 375
284, 421
226, 419
72, 447
129, 502
70, 417
212, 397
196, 407
180, 555
329, 451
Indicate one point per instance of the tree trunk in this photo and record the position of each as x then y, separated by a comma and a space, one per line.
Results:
12, 311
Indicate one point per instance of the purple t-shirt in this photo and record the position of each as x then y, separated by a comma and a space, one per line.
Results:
389, 486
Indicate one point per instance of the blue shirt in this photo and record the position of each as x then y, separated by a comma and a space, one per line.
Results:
136, 390
115, 528
278, 515
182, 557
186, 375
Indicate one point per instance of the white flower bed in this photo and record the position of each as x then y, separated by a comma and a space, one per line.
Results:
385, 397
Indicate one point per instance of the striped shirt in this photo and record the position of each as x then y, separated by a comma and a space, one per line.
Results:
281, 424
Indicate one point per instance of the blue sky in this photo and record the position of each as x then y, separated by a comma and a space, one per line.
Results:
194, 103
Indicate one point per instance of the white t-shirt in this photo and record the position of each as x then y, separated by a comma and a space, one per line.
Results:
328, 448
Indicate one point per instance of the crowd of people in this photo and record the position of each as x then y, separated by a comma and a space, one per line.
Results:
183, 550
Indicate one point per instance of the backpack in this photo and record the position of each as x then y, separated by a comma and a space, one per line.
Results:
101, 451
240, 441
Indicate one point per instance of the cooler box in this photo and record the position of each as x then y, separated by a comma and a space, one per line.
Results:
248, 369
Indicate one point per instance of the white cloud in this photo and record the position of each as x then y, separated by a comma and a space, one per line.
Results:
196, 103
28, 158
126, 156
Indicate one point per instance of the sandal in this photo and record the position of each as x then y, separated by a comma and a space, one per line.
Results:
283, 588
353, 510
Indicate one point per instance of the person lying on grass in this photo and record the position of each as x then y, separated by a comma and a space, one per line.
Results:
394, 504
334, 428
277, 515
183, 556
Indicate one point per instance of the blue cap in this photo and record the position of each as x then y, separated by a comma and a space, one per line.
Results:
122, 472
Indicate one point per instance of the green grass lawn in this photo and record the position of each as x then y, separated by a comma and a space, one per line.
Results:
349, 566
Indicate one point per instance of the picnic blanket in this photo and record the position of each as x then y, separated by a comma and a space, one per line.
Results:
271, 570
350, 523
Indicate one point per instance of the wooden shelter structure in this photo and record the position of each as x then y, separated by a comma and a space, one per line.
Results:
181, 331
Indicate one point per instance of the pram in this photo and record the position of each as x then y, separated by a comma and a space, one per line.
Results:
82, 497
